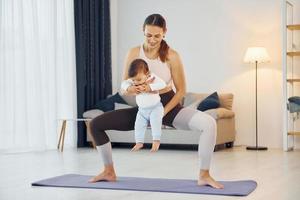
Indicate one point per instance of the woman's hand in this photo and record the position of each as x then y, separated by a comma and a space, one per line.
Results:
143, 88
165, 111
136, 89
146, 87
133, 90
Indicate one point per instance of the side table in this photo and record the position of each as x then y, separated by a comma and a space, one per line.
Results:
61, 140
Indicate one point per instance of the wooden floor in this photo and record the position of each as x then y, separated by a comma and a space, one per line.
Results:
277, 172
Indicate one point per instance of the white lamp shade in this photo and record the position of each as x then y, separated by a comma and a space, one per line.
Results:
256, 54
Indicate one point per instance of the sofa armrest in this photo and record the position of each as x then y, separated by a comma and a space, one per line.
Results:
220, 113
224, 113
91, 114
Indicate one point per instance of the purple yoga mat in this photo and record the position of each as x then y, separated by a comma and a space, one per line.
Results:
231, 188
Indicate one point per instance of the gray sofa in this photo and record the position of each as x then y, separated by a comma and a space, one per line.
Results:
224, 116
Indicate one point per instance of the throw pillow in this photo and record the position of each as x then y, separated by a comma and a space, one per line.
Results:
109, 103
210, 102
119, 106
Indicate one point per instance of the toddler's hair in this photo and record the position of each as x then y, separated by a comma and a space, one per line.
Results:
136, 67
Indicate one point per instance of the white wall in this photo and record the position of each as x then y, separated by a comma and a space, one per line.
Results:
114, 45
212, 37
296, 11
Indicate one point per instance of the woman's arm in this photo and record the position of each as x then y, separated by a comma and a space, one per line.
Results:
156, 83
177, 73
131, 55
125, 85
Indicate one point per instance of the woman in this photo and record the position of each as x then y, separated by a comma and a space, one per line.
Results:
166, 63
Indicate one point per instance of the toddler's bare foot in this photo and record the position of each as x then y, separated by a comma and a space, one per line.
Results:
137, 146
206, 179
155, 146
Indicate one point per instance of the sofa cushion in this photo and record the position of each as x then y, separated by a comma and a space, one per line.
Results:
210, 102
213, 113
193, 99
91, 114
129, 99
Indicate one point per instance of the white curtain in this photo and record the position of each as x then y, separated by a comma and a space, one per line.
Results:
37, 74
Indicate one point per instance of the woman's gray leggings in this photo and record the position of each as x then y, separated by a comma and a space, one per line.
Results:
179, 117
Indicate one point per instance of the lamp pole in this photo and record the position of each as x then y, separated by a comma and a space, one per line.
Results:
256, 103
256, 147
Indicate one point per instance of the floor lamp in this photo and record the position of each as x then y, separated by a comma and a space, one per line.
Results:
256, 55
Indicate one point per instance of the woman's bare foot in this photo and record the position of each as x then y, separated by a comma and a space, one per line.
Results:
137, 146
108, 174
206, 179
155, 146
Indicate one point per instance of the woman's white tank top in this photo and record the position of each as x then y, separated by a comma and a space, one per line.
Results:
161, 69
